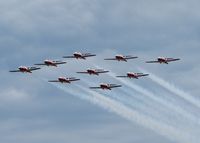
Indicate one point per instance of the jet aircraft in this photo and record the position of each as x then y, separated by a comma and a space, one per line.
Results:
79, 55
106, 86
93, 71
133, 75
163, 60
25, 69
122, 58
65, 79
51, 63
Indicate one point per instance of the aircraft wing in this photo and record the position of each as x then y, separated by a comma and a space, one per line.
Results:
122, 76
152, 61
102, 71
74, 79
34, 68
172, 59
60, 62
15, 71
114, 86
53, 81
88, 55
130, 57
110, 59
68, 57
142, 75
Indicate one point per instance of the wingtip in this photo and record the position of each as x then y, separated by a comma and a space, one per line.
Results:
105, 71
91, 87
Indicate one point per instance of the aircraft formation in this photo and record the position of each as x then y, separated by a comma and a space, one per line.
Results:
84, 56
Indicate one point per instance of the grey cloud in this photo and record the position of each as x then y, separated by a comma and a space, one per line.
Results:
32, 31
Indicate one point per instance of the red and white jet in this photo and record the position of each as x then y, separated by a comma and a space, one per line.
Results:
79, 55
163, 60
122, 58
93, 71
134, 75
106, 86
64, 79
25, 69
51, 63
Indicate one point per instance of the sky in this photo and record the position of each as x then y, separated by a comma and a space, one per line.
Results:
163, 107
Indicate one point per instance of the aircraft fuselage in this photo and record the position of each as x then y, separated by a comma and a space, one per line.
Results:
49, 63
162, 60
78, 55
90, 71
63, 80
120, 58
105, 86
132, 75
24, 69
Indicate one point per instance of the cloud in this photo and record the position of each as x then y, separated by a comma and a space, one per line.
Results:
32, 31
13, 94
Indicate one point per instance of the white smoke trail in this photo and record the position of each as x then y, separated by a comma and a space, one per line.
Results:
173, 89
151, 95
139, 103
129, 114
171, 132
